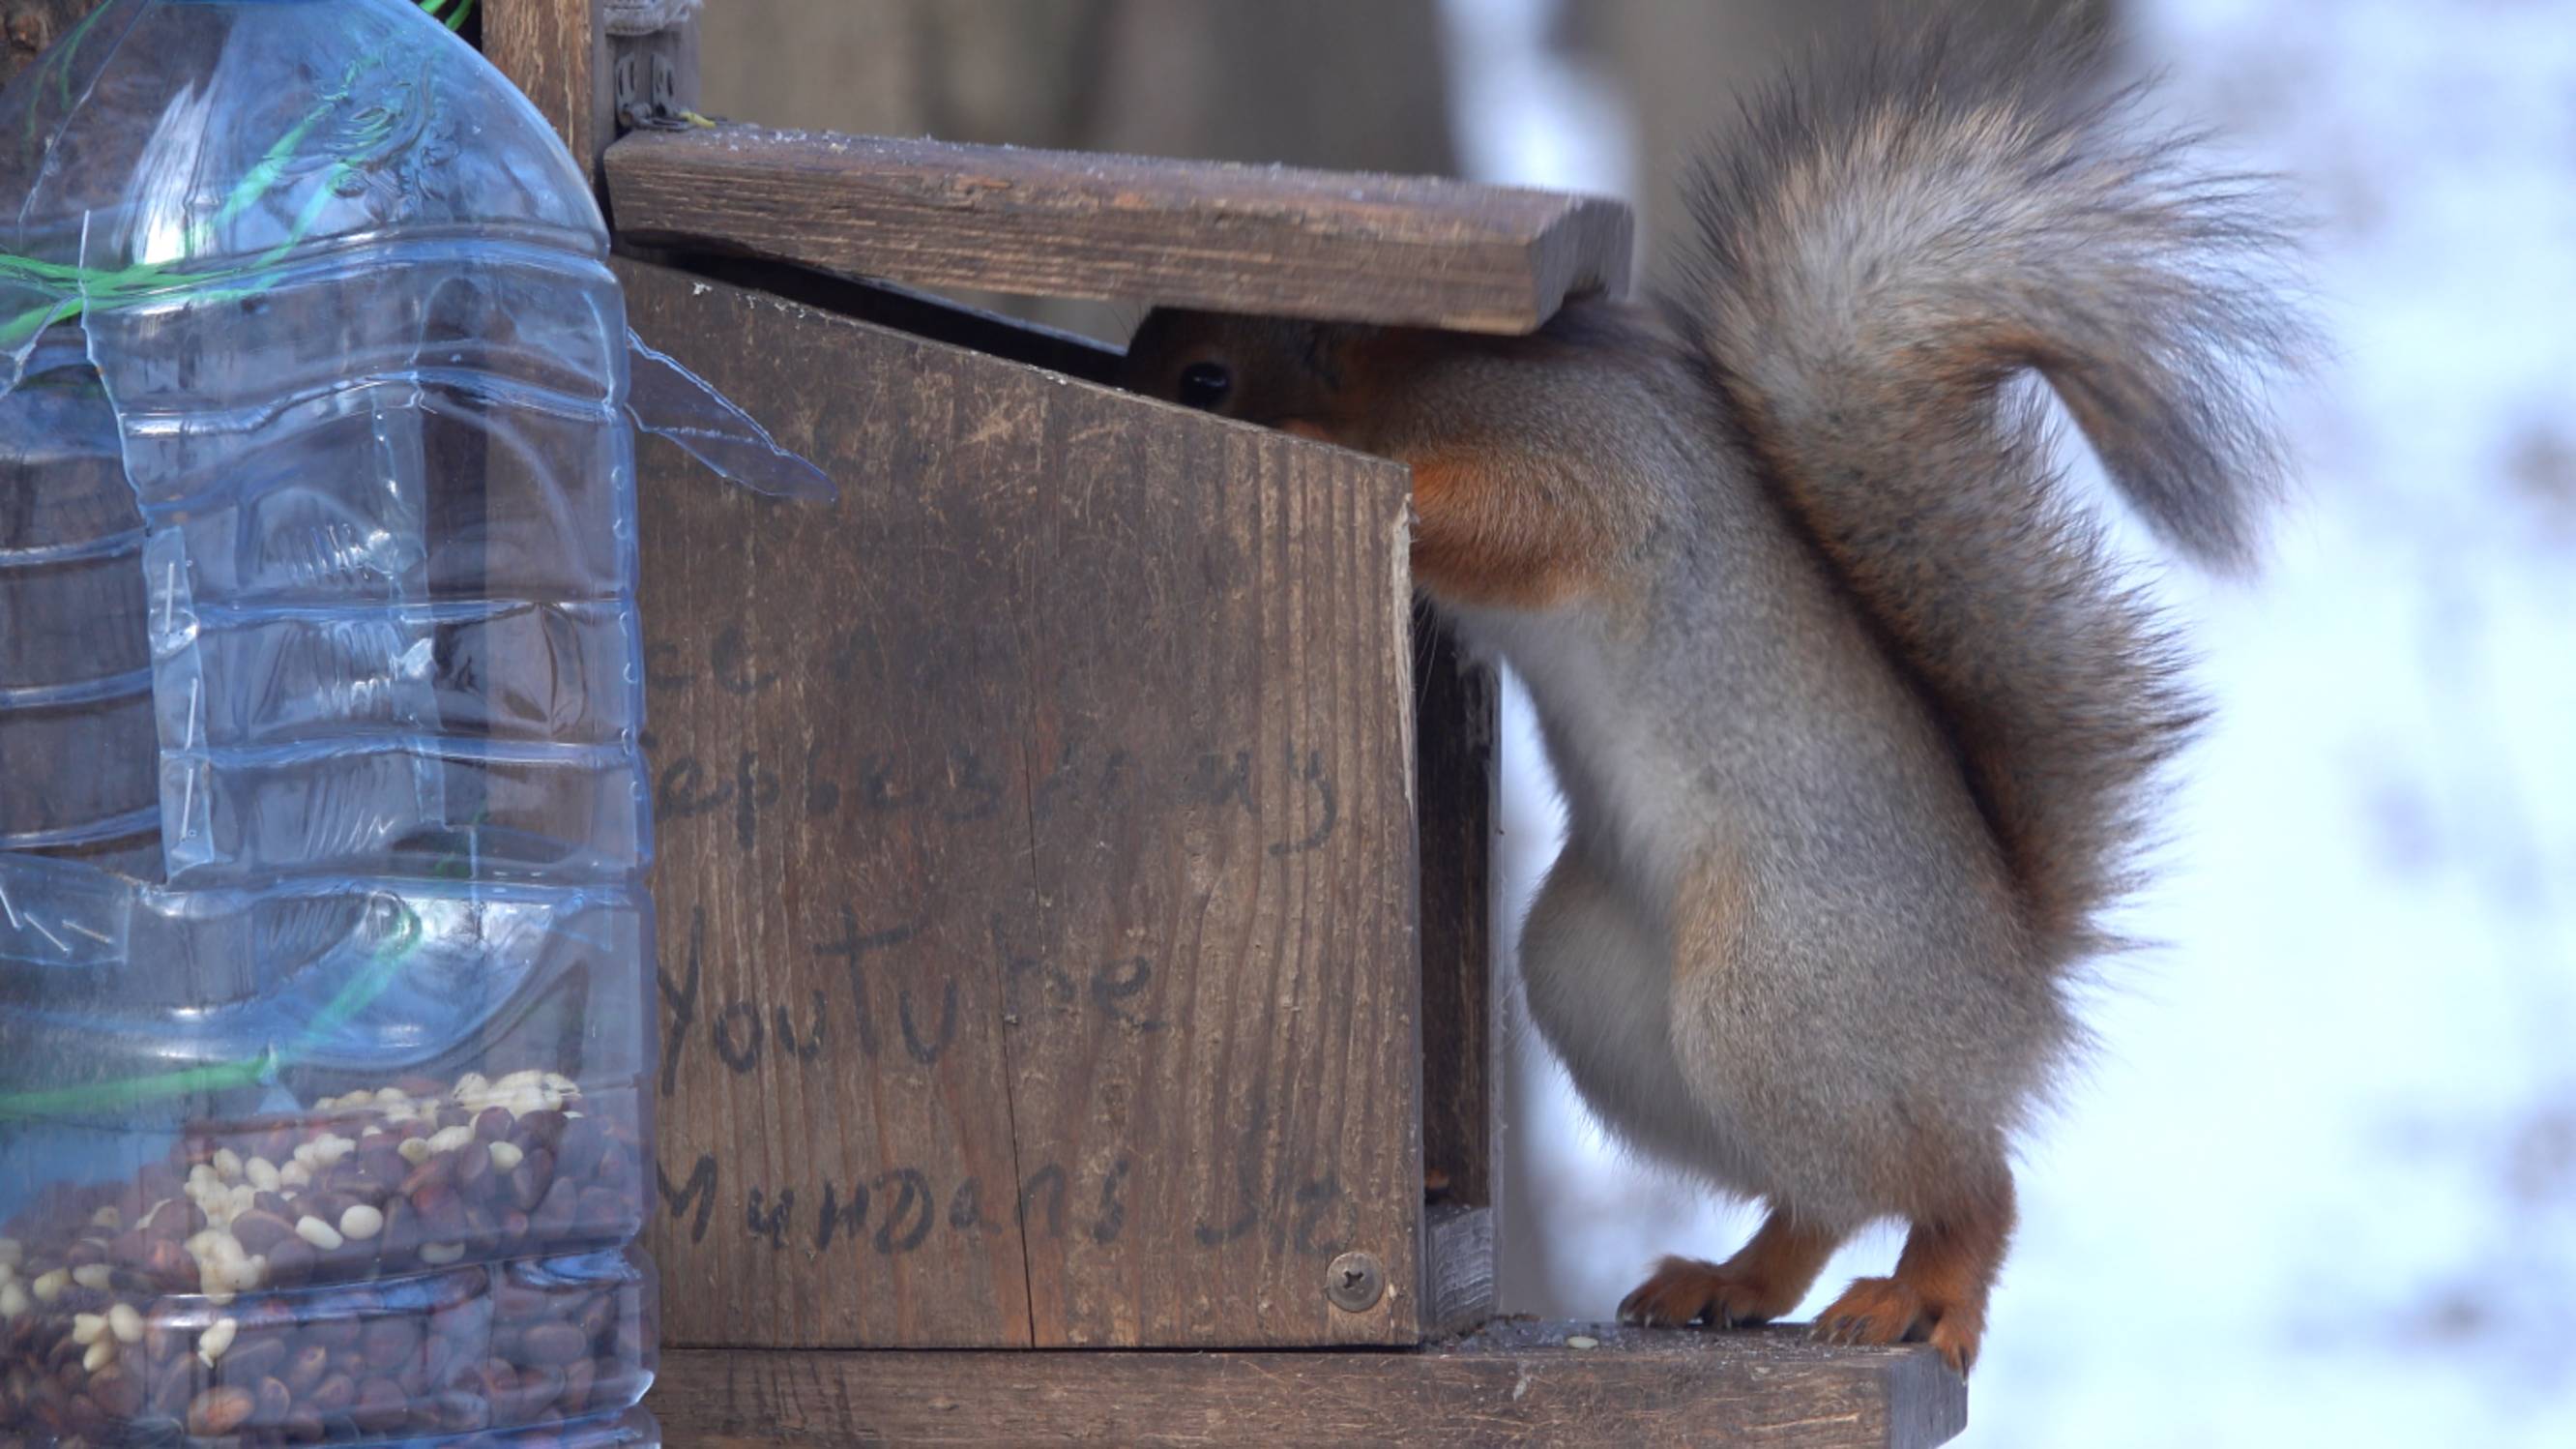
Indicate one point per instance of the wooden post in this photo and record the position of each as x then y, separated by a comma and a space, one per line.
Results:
556, 51
1457, 704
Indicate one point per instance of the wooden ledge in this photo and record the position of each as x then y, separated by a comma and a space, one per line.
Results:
1510, 1381
1415, 251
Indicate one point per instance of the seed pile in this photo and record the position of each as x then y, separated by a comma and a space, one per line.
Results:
420, 1257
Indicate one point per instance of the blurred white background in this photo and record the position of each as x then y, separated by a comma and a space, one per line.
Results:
2321, 1186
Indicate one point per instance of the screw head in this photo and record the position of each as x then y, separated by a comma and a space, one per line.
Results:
1355, 1282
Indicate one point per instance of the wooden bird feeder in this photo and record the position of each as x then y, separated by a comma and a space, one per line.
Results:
1074, 871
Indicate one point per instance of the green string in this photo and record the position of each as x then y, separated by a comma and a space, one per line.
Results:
76, 288
383, 965
451, 12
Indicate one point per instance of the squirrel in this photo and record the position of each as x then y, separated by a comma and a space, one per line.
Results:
1857, 725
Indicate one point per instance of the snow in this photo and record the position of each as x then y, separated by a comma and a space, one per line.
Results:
2320, 1186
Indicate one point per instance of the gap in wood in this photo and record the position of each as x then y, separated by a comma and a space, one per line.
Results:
903, 309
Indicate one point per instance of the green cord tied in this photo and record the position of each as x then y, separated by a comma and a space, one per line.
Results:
71, 289
450, 13
383, 966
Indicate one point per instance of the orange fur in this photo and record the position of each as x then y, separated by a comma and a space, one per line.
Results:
1482, 541
1939, 1290
1764, 1280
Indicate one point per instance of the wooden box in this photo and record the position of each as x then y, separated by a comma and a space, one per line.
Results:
1075, 848
1036, 871
1052, 956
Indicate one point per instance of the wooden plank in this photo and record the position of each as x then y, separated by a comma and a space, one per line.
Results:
1460, 1277
556, 52
1462, 1068
1091, 711
834, 839
1513, 1382
1237, 990
1407, 250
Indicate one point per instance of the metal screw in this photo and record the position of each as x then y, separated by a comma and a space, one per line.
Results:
1355, 1282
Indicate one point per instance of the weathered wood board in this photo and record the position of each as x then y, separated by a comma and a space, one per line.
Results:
1037, 871
1515, 1382
1407, 250
1459, 705
557, 52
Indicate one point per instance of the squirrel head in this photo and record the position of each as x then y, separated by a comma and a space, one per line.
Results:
1278, 373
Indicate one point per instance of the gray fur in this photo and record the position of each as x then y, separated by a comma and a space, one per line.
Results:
1853, 721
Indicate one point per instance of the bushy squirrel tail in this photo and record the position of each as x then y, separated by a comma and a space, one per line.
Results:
1885, 245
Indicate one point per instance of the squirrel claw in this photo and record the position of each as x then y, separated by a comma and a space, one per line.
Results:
1686, 1290
1875, 1312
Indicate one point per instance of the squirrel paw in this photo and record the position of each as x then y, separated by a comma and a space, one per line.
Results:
1687, 1290
1875, 1312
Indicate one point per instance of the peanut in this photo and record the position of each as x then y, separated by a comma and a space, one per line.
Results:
212, 1343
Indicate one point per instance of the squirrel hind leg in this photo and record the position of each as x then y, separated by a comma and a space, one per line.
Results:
1763, 1281
1938, 1292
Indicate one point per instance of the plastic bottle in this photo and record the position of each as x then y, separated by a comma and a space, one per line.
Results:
326, 1113
76, 726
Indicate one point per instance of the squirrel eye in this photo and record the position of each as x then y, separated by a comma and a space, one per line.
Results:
1204, 385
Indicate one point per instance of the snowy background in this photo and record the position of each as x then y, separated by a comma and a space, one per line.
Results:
2321, 1187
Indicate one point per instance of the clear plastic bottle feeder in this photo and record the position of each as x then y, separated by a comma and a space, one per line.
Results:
325, 1032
